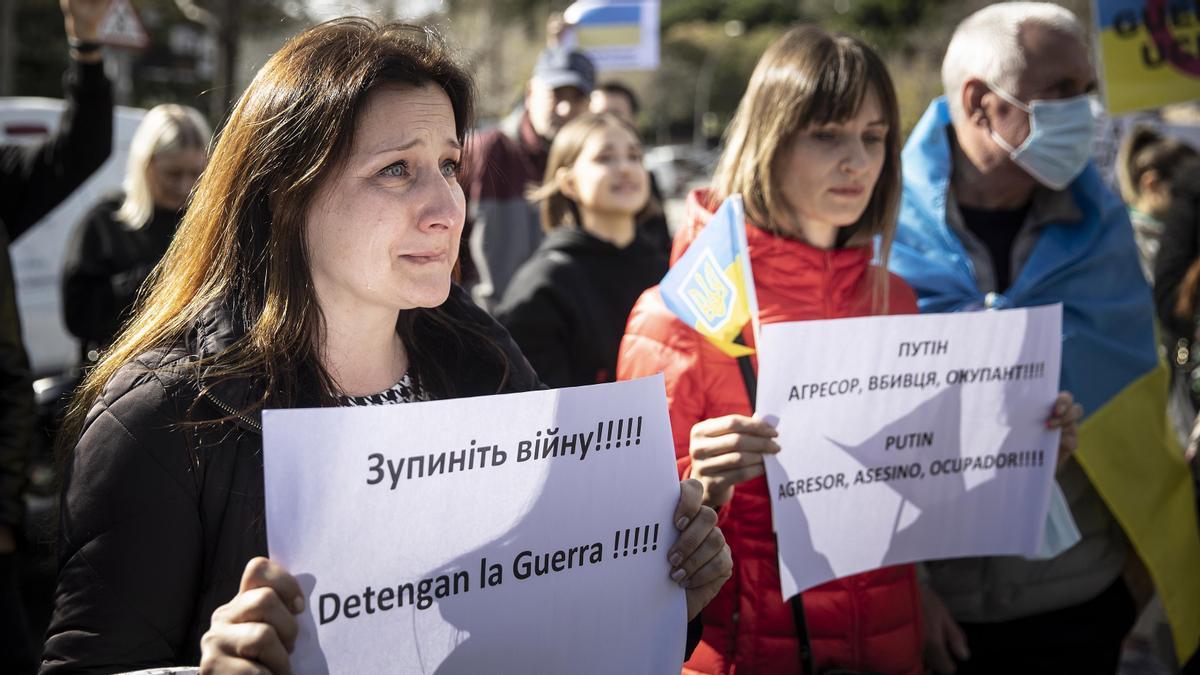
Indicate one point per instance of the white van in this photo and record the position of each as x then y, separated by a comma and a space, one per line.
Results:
37, 256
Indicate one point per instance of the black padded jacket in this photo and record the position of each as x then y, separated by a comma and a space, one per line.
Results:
158, 521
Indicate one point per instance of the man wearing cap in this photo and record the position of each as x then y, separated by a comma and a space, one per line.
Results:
503, 228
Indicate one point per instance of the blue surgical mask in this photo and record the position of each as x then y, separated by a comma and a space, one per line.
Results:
1060, 532
1060, 138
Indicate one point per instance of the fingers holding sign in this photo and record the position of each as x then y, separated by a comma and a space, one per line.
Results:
700, 559
1065, 415
255, 631
729, 450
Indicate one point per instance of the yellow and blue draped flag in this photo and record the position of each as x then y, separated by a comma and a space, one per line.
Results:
711, 287
1109, 354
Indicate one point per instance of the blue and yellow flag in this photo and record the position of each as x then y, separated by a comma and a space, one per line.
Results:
606, 25
616, 34
711, 287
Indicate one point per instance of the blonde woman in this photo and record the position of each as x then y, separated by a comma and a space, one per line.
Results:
123, 237
566, 306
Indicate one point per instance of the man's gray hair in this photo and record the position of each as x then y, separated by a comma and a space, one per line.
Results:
986, 45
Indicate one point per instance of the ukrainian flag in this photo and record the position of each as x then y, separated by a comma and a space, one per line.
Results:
616, 25
711, 287
1109, 354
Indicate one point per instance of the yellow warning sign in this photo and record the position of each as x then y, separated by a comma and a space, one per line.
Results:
1149, 52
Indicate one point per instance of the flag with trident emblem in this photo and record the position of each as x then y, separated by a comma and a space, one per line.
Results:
711, 287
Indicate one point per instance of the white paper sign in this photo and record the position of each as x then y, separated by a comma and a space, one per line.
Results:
503, 534
909, 438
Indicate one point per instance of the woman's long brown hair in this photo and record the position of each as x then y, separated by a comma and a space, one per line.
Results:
241, 241
807, 77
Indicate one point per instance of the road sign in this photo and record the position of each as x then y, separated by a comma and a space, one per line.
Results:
122, 27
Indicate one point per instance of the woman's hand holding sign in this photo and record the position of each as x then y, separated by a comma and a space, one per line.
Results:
700, 559
729, 450
254, 632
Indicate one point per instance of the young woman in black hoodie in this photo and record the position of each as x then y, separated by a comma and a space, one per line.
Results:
566, 306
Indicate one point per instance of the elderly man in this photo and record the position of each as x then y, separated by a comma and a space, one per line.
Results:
1001, 208
503, 228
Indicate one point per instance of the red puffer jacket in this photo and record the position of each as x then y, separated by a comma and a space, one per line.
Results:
868, 621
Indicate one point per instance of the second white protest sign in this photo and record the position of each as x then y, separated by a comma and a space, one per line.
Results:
517, 533
909, 438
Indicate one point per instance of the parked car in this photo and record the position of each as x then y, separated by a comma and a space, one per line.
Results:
37, 256
678, 168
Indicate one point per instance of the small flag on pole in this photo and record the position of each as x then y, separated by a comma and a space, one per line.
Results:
711, 287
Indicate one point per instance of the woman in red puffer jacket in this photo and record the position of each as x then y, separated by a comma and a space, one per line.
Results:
814, 152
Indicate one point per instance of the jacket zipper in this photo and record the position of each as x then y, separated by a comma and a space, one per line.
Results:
857, 648
228, 409
828, 290
735, 620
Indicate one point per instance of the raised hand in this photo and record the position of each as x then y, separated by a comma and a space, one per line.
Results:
83, 17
